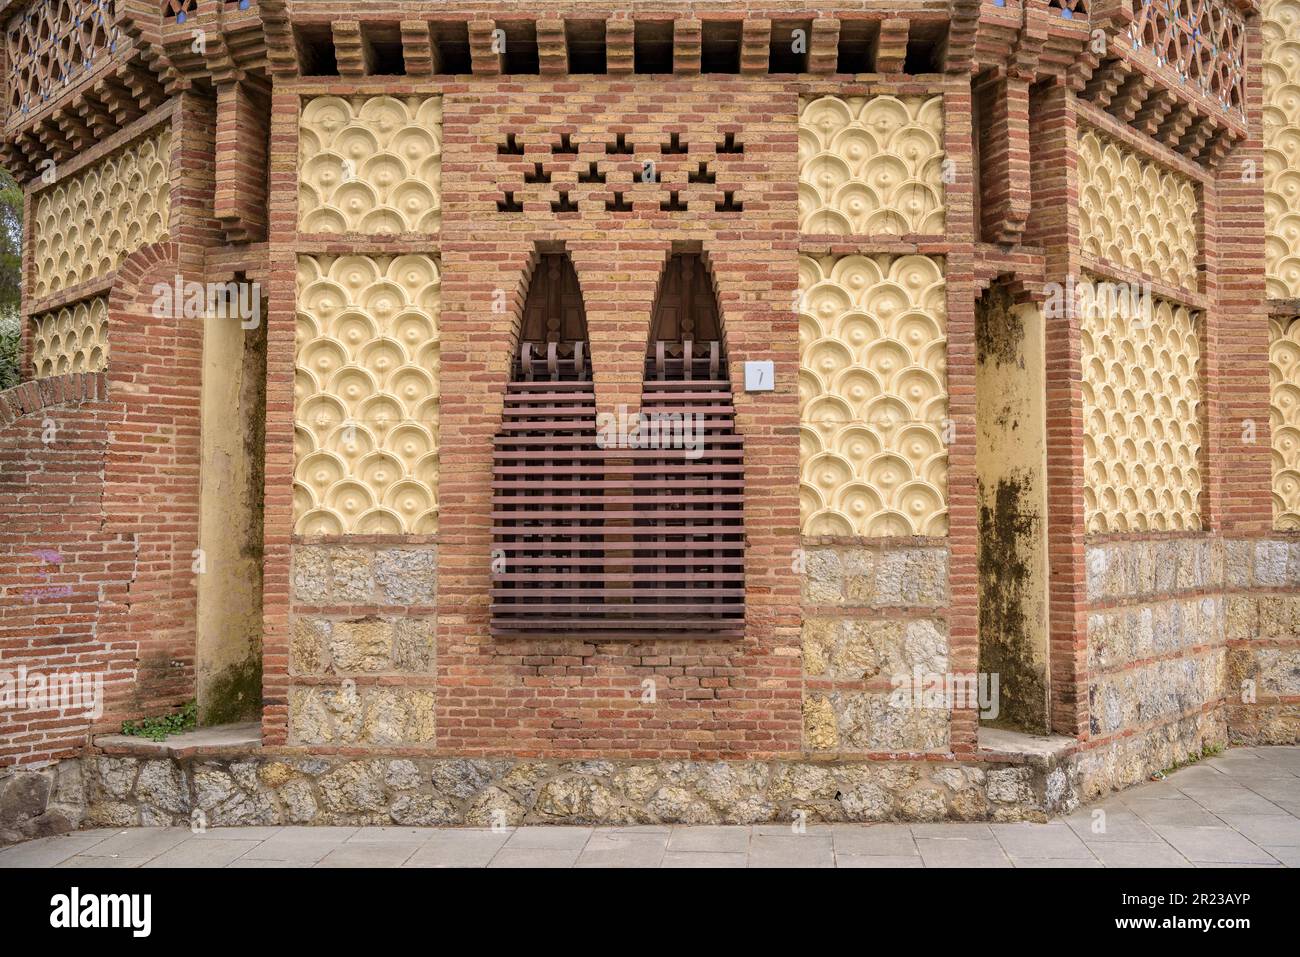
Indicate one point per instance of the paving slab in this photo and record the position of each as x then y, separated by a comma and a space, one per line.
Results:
1048, 862
1054, 840
953, 832
1207, 844
709, 838
48, 851
1266, 829
196, 853
878, 860
803, 850
1221, 801
535, 857
729, 859
937, 852
881, 840
549, 838
146, 842
458, 849
1183, 812
1118, 825
354, 853
1117, 854
298, 847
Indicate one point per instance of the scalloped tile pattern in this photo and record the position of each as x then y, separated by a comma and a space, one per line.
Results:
71, 339
1142, 420
366, 395
1284, 417
370, 165
86, 226
873, 396
1135, 213
1281, 27
871, 165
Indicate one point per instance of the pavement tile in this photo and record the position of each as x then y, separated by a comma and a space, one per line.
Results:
1118, 825
1117, 854
114, 862
146, 842
705, 859
293, 848
805, 850
368, 854
938, 852
1054, 840
709, 838
1278, 789
881, 840
1221, 801
877, 860
1202, 844
1182, 813
547, 837
202, 853
535, 857
953, 832
453, 847
1290, 856
1264, 829
1085, 862
48, 851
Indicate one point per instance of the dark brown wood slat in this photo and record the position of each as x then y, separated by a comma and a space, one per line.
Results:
617, 541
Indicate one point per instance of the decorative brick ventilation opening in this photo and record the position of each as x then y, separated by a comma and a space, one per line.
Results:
316, 52
619, 528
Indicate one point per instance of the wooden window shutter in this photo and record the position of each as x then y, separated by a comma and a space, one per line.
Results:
625, 539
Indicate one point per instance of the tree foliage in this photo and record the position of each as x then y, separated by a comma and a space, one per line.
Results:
11, 276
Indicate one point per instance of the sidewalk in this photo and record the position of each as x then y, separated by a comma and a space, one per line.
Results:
1240, 809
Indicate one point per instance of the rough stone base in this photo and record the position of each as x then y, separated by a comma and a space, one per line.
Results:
264, 790
260, 788
1263, 724
41, 802
1128, 761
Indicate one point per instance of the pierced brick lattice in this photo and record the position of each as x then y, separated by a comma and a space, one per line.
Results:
54, 43
596, 536
1203, 41
574, 180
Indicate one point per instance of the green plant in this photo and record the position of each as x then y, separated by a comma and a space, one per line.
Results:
10, 343
156, 729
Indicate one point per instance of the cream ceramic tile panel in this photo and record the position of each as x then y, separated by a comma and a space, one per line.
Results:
71, 339
366, 395
1135, 213
1142, 419
1284, 415
1281, 20
86, 226
871, 164
873, 396
370, 165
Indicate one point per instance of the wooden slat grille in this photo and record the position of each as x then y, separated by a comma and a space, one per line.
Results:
613, 541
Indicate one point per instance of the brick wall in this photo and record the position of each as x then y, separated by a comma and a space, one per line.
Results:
382, 642
64, 577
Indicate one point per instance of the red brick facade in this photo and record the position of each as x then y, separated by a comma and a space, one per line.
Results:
1018, 84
